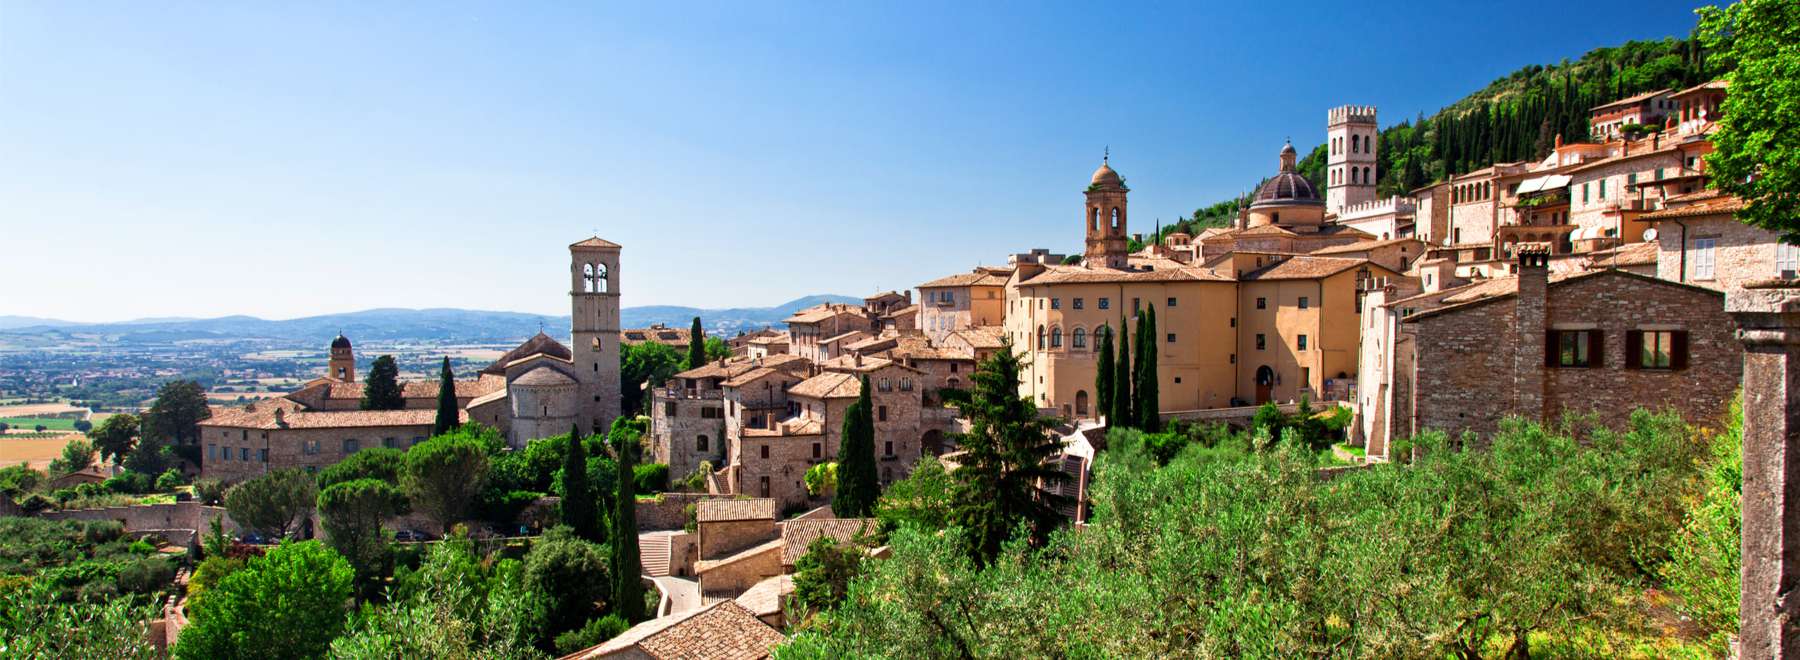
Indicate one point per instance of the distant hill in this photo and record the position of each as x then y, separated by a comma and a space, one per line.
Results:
394, 324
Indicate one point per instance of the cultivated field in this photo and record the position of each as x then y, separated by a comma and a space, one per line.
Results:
35, 451
39, 410
49, 423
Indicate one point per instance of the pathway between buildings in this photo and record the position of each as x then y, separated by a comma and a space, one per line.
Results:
683, 594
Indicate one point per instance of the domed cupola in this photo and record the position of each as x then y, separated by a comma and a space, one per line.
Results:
1287, 187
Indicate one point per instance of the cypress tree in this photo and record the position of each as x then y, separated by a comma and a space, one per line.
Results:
1103, 374
1149, 405
1120, 414
382, 390
857, 486
1135, 414
627, 591
578, 510
446, 408
696, 345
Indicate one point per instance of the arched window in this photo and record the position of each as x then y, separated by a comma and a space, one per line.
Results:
1080, 338
1118, 218
1356, 144
1368, 175
1041, 336
1094, 219
600, 279
1081, 402
587, 277
1056, 337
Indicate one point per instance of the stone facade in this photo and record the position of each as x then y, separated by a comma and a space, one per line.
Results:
1719, 252
1483, 359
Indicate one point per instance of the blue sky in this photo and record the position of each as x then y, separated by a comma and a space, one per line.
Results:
162, 159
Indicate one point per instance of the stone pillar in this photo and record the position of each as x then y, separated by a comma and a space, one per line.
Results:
1768, 318
1529, 319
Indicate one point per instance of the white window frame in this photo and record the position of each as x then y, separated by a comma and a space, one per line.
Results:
1787, 258
1705, 258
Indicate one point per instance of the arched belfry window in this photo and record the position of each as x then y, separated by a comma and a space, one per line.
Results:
1118, 218
600, 278
1094, 219
587, 277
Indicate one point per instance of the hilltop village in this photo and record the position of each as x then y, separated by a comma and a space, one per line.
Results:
1591, 280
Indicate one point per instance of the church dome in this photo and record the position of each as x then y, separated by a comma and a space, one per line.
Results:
1106, 177
341, 341
1287, 187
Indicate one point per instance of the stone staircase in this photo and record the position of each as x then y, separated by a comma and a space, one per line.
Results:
653, 553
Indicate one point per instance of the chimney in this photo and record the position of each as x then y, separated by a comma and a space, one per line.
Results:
1530, 318
858, 359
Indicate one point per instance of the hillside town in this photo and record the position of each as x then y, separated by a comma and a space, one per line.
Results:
1334, 423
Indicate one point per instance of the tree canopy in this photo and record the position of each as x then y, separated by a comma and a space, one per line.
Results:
286, 604
273, 504
857, 483
381, 390
443, 474
1757, 155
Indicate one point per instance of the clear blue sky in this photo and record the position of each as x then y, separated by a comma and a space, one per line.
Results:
161, 159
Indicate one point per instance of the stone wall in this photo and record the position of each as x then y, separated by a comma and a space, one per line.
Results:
722, 539
667, 511
1469, 366
1741, 253
309, 449
731, 578
191, 517
686, 430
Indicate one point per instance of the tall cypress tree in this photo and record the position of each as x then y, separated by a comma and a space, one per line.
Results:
1103, 374
1149, 405
627, 591
1135, 415
857, 486
446, 408
382, 390
1120, 414
578, 510
696, 345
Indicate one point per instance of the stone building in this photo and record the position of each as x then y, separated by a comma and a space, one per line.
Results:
1700, 241
963, 301
539, 389
687, 413
1602, 342
657, 333
1608, 120
813, 331
1351, 133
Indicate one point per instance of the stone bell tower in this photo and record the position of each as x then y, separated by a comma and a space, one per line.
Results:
594, 326
1107, 245
1350, 163
343, 360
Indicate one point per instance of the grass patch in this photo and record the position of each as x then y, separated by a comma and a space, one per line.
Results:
49, 423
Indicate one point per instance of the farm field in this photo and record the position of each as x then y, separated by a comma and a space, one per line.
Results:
38, 409
35, 451
51, 423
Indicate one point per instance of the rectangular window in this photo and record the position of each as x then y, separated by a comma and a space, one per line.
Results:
1572, 348
1233, 321
1304, 302
880, 413
1055, 303
1603, 189
1137, 305
244, 454
887, 448
390, 443
310, 447
1260, 341
818, 450
1262, 303
1301, 345
212, 451
1703, 257
1105, 303
1584, 193
1171, 337
764, 484
1171, 302
350, 446
1078, 303
765, 452
1656, 349
1787, 259
262, 455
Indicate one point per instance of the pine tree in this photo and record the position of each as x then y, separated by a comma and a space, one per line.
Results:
1120, 414
1149, 405
578, 511
382, 390
628, 590
696, 345
1103, 375
446, 403
857, 485
1003, 478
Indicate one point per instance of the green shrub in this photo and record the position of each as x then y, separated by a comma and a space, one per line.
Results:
210, 492
169, 480
596, 632
131, 482
651, 477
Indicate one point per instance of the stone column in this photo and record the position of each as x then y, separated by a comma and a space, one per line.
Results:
1768, 318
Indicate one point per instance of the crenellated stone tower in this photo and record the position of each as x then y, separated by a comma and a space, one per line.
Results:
1350, 165
594, 324
1107, 246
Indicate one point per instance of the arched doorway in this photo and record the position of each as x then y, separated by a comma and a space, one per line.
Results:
1265, 384
1081, 403
932, 442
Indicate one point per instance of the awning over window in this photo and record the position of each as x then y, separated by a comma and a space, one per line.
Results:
1544, 183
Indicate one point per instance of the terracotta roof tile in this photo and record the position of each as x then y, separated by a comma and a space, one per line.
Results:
798, 535
1085, 275
1705, 202
728, 510
596, 242
829, 385
1363, 246
720, 631
1305, 268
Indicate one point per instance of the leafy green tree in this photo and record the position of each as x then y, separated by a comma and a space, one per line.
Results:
353, 512
1148, 391
378, 463
77, 455
36, 621
273, 504
443, 475
578, 498
924, 498
628, 590
821, 479
1759, 124
115, 437
286, 604
822, 575
17, 480
572, 574
1003, 466
1103, 372
1121, 413
696, 356
1705, 555
858, 485
458, 608
83, 426
595, 632
175, 416
447, 409
381, 391
646, 363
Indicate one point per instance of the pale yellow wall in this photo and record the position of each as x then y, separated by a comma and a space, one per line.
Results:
1200, 358
1330, 323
